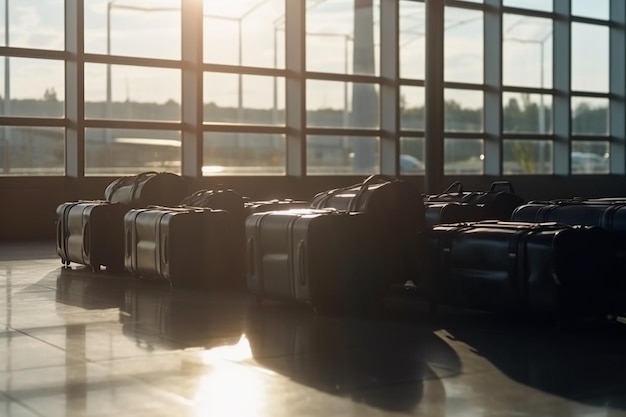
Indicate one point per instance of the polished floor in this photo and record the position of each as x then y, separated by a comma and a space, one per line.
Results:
78, 344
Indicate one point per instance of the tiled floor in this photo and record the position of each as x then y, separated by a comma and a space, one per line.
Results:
75, 344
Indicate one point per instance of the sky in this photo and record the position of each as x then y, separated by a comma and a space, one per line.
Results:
156, 34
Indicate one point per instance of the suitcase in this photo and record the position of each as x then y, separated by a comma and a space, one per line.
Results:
534, 269
91, 233
324, 258
396, 210
272, 205
220, 199
147, 188
188, 247
608, 214
497, 203
453, 212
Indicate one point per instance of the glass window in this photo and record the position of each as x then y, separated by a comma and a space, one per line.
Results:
243, 154
526, 51
412, 108
259, 100
527, 157
463, 110
541, 5
412, 39
340, 104
31, 94
342, 38
412, 156
38, 24
30, 151
245, 32
138, 28
463, 47
527, 113
590, 116
590, 57
135, 93
131, 151
342, 155
590, 157
463, 157
597, 9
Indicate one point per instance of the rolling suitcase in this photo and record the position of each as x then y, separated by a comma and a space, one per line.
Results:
188, 247
91, 233
396, 212
608, 214
147, 188
324, 258
272, 205
497, 203
546, 269
453, 212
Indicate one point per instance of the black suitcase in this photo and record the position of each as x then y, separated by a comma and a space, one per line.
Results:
608, 214
272, 205
531, 269
396, 211
91, 233
453, 212
497, 203
320, 257
189, 247
147, 188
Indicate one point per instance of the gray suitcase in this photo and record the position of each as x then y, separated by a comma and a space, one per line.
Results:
324, 258
188, 247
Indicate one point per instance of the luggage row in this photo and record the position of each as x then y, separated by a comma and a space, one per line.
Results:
347, 246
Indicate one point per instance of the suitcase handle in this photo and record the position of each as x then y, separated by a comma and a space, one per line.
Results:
164, 247
251, 256
501, 184
372, 179
86, 239
458, 185
301, 264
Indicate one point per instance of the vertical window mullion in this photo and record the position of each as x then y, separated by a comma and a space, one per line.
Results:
617, 87
295, 109
389, 89
492, 113
434, 102
562, 71
192, 78
74, 89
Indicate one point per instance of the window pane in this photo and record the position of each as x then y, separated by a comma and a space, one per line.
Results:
542, 5
590, 57
412, 108
245, 32
342, 155
32, 94
463, 110
526, 51
342, 39
463, 157
590, 116
38, 24
412, 40
260, 101
597, 9
590, 157
527, 113
29, 151
339, 104
412, 156
130, 151
527, 157
136, 93
243, 154
141, 28
463, 47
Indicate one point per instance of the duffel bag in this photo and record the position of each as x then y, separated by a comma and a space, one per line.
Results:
147, 188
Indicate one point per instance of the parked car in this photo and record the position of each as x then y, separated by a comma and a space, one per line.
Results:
589, 163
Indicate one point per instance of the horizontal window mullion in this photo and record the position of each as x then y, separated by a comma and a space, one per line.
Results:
590, 94
132, 124
231, 128
412, 133
412, 83
464, 86
320, 131
527, 136
590, 138
463, 135
134, 61
33, 53
355, 78
530, 90
32, 121
236, 69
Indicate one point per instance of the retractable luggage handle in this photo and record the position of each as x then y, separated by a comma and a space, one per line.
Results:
501, 184
352, 206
